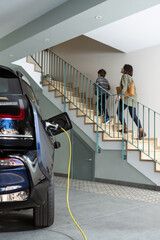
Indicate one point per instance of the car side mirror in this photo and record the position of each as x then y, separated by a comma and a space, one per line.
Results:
54, 124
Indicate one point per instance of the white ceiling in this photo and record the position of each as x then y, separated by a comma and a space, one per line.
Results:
140, 30
28, 26
16, 13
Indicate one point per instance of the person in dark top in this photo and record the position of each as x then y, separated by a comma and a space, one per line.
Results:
102, 94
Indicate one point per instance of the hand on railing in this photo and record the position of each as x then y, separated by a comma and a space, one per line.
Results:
117, 99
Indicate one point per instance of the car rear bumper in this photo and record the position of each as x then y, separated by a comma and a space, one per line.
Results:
37, 197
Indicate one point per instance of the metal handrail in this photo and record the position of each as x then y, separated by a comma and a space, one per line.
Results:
79, 90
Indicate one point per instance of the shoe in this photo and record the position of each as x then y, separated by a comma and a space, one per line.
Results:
141, 134
125, 129
108, 120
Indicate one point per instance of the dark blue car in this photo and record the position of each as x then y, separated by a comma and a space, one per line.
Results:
26, 150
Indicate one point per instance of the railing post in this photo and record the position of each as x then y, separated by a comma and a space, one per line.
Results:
118, 108
64, 86
148, 131
41, 67
128, 116
97, 147
138, 125
110, 116
123, 156
154, 135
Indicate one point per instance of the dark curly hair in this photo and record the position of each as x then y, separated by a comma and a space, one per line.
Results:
102, 73
128, 69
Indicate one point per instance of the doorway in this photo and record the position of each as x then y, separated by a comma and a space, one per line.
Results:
83, 159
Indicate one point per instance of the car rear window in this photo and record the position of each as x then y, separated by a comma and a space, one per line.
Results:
10, 86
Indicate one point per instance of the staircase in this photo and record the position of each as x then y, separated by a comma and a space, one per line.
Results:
76, 91
109, 131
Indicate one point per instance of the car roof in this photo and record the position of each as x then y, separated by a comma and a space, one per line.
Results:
7, 72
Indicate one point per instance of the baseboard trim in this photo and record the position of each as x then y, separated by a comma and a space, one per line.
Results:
116, 182
129, 184
61, 175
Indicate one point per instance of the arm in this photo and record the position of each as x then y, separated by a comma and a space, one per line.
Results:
124, 84
95, 87
109, 87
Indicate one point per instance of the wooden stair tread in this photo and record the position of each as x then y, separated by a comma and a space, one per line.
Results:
157, 167
139, 144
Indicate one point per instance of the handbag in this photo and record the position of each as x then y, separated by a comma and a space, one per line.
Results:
129, 92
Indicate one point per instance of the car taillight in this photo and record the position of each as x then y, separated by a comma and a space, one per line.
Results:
11, 162
19, 116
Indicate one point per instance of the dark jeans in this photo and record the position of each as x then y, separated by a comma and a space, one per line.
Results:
102, 99
132, 112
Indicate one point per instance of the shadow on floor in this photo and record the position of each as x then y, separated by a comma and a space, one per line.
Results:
16, 221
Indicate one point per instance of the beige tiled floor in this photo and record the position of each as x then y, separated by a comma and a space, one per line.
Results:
124, 192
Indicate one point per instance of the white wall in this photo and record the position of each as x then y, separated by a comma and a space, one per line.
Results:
89, 56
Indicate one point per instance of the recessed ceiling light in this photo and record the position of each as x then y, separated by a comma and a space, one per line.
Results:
98, 17
46, 39
11, 55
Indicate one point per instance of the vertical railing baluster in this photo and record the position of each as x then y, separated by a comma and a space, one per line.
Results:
128, 117
114, 114
122, 126
38, 57
132, 121
46, 59
80, 92
47, 62
105, 114
109, 112
42, 70
77, 87
74, 85
56, 71
154, 135
148, 131
138, 125
87, 98
68, 80
50, 60
70, 86
92, 87
60, 85
97, 119
143, 125
118, 112
62, 77
64, 86
44, 63
101, 110
54, 68
83, 93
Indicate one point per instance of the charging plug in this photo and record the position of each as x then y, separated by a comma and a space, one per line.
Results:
51, 126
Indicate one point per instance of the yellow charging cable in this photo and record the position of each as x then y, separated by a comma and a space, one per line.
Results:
69, 166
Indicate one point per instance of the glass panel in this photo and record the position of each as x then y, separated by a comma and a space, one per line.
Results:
10, 86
